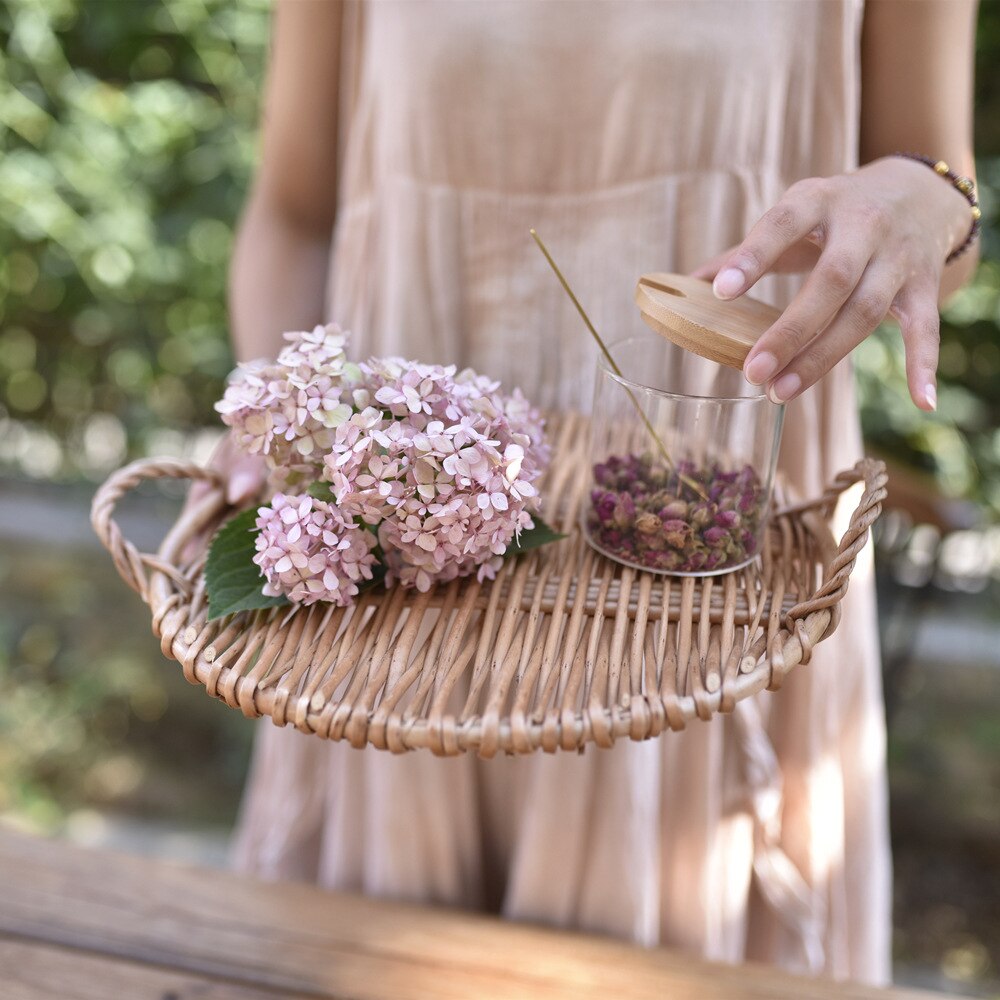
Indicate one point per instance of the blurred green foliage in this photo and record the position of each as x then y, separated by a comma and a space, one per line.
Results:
91, 715
127, 138
959, 446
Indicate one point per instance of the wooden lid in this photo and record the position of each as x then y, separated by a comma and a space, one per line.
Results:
685, 310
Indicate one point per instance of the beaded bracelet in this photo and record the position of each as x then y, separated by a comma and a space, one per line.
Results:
964, 185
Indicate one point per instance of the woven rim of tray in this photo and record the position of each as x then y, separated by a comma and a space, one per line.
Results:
565, 647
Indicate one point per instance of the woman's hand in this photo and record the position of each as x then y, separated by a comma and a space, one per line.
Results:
874, 243
243, 474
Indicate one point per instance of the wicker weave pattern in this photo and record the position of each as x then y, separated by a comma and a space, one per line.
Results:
563, 648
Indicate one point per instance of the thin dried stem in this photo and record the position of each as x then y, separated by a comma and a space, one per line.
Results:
614, 366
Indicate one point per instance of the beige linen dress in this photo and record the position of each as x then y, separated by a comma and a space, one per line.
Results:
634, 136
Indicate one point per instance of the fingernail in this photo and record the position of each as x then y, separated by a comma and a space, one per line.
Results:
729, 283
786, 387
930, 394
760, 368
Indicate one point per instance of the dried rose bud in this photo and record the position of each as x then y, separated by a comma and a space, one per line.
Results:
624, 512
696, 561
716, 536
647, 523
701, 515
676, 532
676, 509
658, 478
603, 504
727, 519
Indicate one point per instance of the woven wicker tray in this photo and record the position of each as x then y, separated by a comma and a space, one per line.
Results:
564, 648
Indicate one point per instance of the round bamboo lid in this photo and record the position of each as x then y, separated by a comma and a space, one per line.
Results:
685, 310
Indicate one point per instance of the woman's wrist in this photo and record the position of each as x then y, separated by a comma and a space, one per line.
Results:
933, 195
965, 186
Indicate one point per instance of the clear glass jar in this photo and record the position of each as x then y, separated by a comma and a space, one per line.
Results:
683, 452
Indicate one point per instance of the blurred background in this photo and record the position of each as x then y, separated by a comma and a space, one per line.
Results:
127, 139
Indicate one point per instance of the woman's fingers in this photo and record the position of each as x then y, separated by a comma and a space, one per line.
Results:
866, 307
246, 477
829, 286
801, 257
871, 248
796, 216
916, 309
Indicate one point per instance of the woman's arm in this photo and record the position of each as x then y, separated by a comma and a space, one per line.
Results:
917, 61
874, 241
278, 273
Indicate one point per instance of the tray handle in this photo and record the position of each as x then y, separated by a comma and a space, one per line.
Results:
132, 565
872, 472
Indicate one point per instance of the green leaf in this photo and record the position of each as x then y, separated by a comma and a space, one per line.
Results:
320, 491
378, 578
541, 534
233, 581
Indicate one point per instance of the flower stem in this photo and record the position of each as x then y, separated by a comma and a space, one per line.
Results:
614, 366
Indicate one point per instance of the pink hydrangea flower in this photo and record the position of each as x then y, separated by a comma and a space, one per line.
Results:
244, 406
308, 551
443, 463
287, 410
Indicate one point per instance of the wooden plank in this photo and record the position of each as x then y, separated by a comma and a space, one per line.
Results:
299, 939
33, 971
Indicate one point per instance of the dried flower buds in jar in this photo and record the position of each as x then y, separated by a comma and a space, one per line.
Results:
684, 519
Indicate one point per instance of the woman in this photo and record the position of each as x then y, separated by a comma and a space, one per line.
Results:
407, 149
